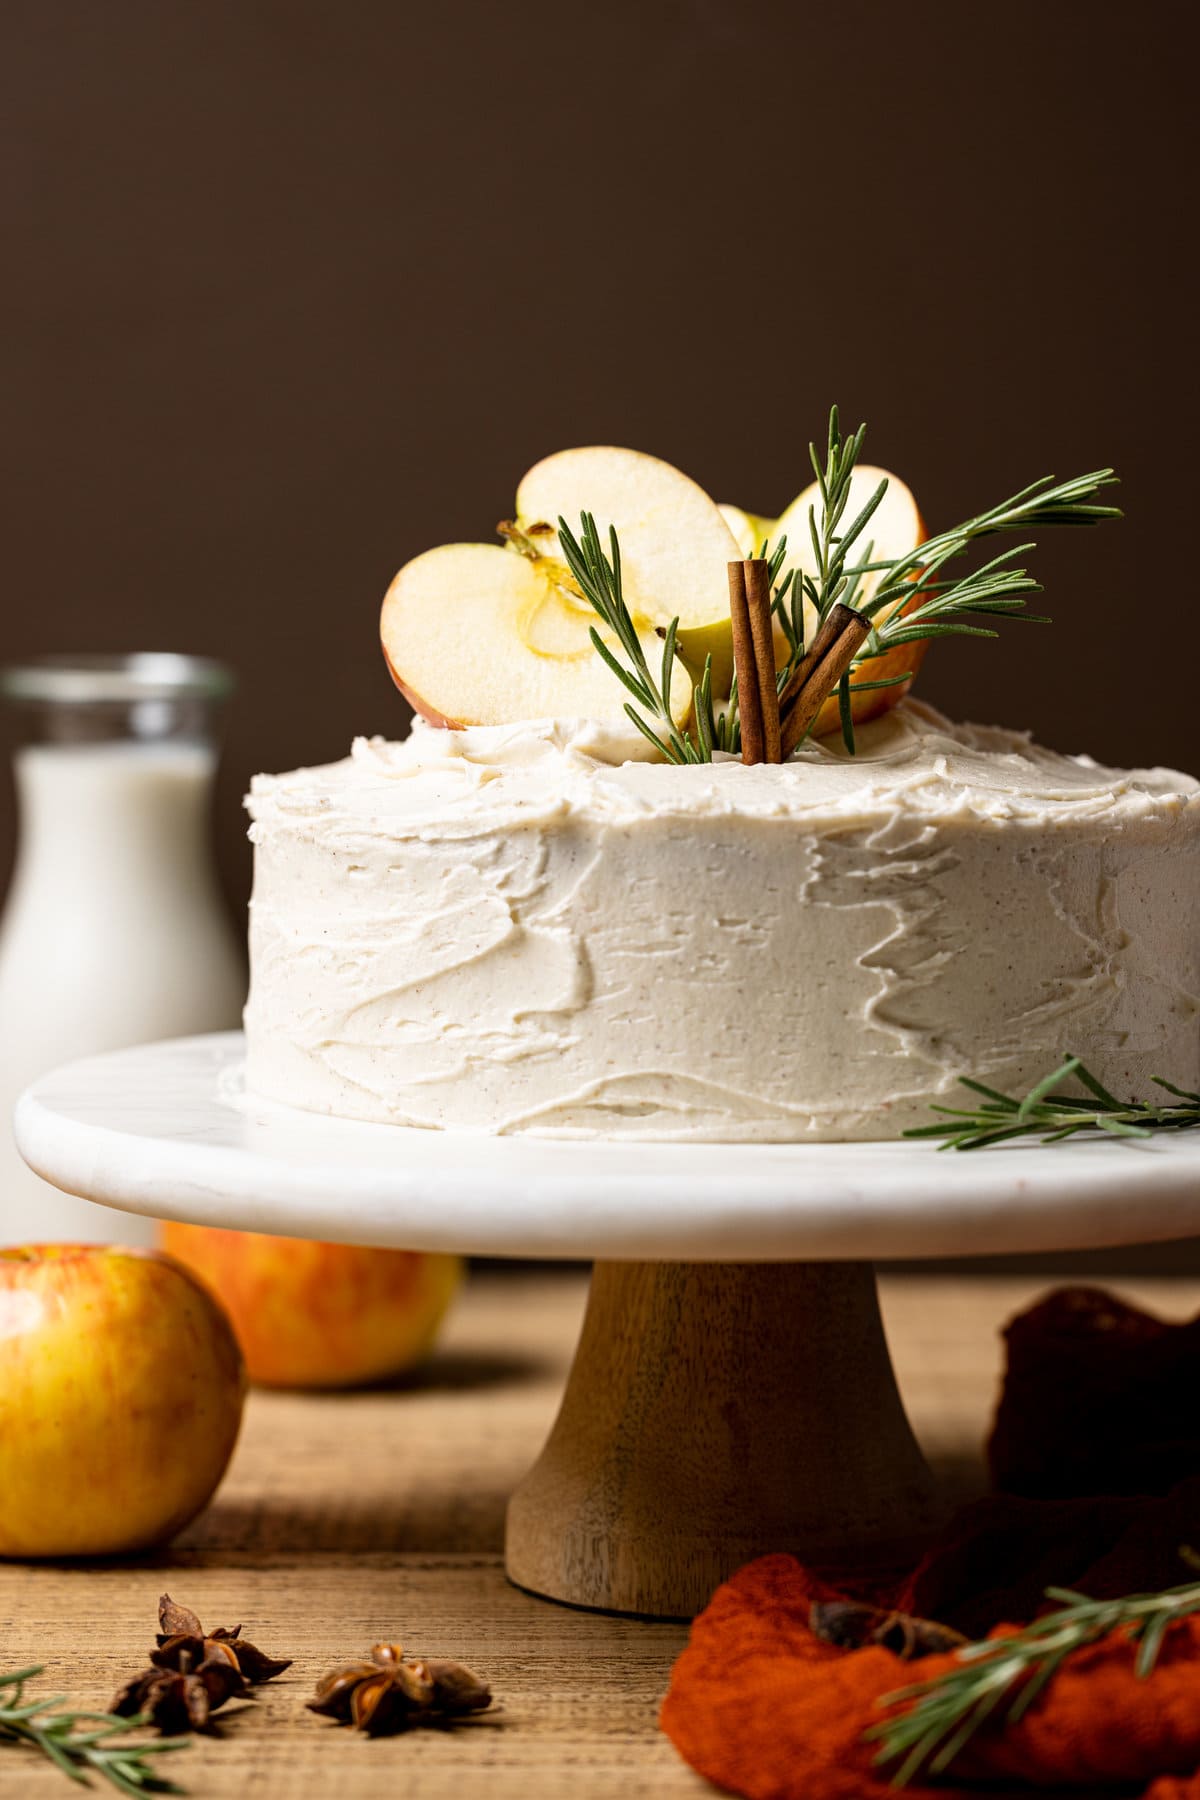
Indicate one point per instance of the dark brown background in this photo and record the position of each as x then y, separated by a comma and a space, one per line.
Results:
295, 290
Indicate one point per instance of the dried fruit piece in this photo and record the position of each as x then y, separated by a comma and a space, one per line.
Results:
851, 1625
457, 1689
393, 1692
177, 1621
181, 1635
181, 1699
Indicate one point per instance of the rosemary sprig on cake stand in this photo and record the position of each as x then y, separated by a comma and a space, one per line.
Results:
1052, 1116
950, 1708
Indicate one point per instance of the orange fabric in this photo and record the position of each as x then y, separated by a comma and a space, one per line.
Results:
762, 1707
765, 1709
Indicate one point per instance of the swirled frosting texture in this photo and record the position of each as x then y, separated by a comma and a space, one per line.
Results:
537, 928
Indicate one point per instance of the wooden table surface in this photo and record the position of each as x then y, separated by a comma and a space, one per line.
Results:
346, 1519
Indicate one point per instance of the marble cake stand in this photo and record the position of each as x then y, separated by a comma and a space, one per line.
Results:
732, 1391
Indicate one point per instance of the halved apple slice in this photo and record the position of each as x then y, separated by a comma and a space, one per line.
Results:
750, 529
675, 546
479, 635
674, 543
475, 635
894, 528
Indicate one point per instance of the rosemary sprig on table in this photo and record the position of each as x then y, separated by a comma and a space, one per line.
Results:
1052, 1116
82, 1742
950, 1708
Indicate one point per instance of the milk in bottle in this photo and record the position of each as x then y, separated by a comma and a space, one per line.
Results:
113, 931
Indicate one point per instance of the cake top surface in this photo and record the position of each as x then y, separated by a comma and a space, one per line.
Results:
912, 761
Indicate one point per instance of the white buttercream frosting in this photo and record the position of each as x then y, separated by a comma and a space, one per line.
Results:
542, 928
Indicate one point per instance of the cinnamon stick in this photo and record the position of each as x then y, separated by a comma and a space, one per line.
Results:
847, 632
749, 704
827, 636
758, 595
754, 659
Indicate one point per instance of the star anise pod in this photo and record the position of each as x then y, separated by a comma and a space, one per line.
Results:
393, 1692
184, 1698
852, 1625
181, 1634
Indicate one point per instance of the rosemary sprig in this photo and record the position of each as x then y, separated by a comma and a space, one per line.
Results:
831, 580
907, 600
599, 580
995, 590
832, 540
80, 1743
1011, 1673
917, 600
1053, 1116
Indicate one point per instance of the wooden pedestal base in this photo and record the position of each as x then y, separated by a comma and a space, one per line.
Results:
716, 1412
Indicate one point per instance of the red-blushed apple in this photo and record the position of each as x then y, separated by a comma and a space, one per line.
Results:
121, 1390
315, 1315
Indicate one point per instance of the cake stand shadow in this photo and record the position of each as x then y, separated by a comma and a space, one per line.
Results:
732, 1392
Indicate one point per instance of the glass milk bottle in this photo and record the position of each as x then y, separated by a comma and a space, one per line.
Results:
113, 932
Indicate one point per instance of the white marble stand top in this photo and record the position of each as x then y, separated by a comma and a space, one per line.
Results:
164, 1130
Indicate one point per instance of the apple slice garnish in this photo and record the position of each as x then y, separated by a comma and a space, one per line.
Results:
479, 635
675, 545
894, 528
475, 635
748, 528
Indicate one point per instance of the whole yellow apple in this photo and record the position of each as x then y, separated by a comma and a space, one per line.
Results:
121, 1390
316, 1315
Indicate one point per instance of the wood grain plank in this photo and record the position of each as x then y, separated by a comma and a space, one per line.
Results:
347, 1518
